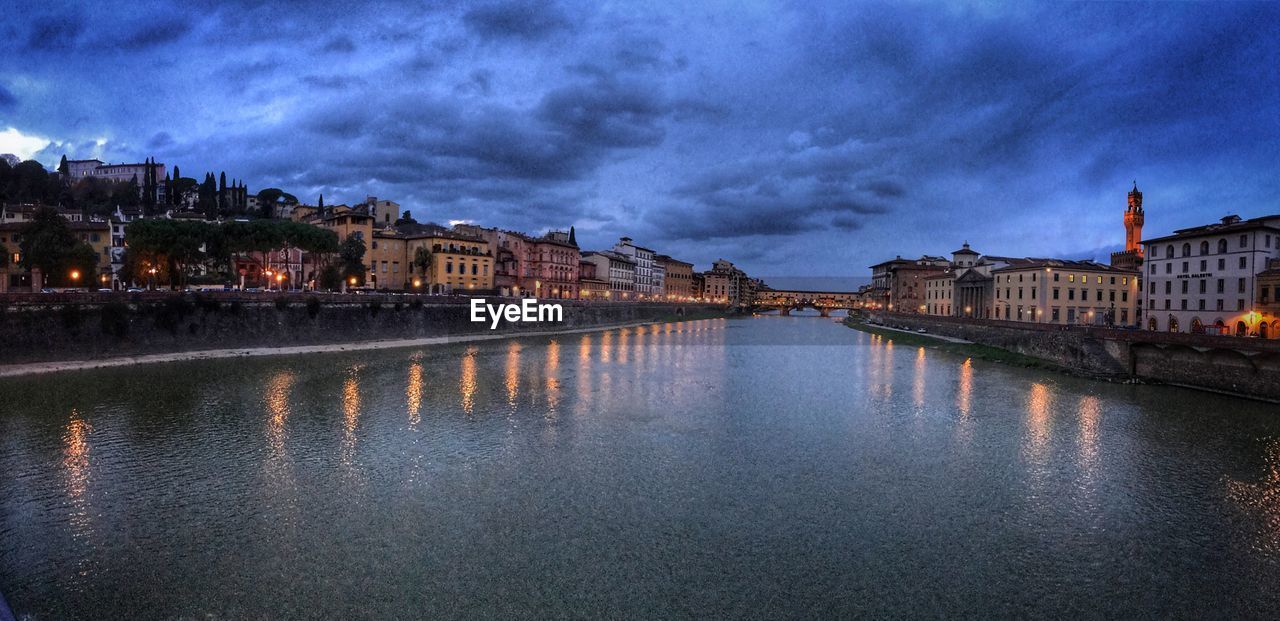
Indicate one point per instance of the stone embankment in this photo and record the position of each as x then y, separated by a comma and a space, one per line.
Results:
1242, 366
54, 327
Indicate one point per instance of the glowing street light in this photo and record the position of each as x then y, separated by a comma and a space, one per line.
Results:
75, 275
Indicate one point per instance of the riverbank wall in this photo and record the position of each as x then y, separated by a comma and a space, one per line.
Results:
98, 326
1242, 366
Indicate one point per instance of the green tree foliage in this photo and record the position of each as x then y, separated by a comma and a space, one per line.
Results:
29, 182
182, 246
406, 218
352, 258
422, 259
269, 198
48, 245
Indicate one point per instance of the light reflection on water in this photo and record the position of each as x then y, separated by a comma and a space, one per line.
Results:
674, 470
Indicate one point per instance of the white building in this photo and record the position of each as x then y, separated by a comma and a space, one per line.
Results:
643, 258
618, 270
1203, 279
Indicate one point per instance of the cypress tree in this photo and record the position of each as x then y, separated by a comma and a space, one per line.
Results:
62, 165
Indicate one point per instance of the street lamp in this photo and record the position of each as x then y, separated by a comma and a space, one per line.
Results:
75, 275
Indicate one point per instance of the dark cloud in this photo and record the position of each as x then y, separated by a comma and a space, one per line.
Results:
332, 82
55, 32
341, 44
785, 134
523, 19
156, 31
160, 141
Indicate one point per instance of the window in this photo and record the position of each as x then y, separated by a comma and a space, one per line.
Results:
1222, 264
1168, 250
1222, 246
1071, 294
1241, 286
1168, 287
1244, 241
1186, 250
1202, 304
448, 267
1099, 296
1203, 286
1184, 267
1168, 267
1221, 285
1204, 265
1204, 247
1239, 305
1184, 287
1244, 262
1055, 296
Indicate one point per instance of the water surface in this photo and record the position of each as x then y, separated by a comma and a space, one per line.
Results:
762, 467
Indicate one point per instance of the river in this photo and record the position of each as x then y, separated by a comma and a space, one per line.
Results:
761, 467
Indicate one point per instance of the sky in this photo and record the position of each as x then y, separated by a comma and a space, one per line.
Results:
793, 138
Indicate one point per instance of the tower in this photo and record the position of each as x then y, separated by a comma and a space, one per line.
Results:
1133, 219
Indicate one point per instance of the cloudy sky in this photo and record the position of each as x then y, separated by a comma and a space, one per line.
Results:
793, 138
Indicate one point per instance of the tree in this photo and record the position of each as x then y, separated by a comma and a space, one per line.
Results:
352, 256
128, 194
422, 260
406, 218
4, 256
62, 165
224, 206
207, 202
49, 247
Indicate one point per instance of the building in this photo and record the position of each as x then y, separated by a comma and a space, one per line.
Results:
544, 267
1205, 279
456, 262
590, 286
939, 291
1268, 306
1131, 257
95, 233
724, 283
123, 173
1062, 291
677, 283
643, 259
899, 284
553, 264
618, 269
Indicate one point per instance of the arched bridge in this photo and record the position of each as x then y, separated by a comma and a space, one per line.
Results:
785, 301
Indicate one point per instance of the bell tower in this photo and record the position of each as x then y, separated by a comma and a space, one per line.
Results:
1133, 218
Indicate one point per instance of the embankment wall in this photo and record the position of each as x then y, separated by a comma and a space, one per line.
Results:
102, 326
1244, 366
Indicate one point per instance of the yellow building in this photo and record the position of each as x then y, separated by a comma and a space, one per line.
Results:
1065, 292
458, 262
938, 290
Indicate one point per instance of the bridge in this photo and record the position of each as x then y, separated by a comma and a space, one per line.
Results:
785, 301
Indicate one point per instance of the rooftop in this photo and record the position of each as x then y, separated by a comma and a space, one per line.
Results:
1228, 224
